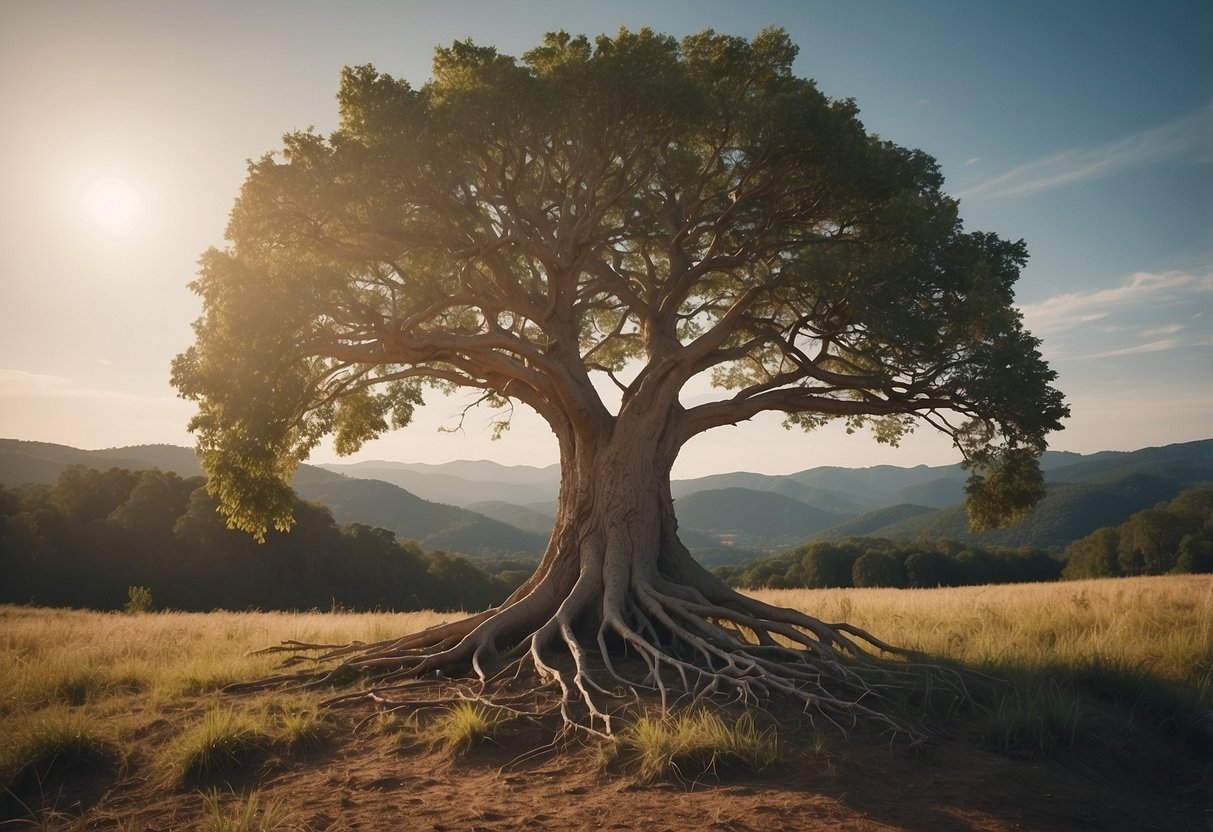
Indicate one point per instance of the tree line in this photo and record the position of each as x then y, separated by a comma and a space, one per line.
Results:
877, 562
1176, 536
90, 537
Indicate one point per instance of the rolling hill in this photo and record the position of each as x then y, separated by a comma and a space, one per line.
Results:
371, 502
493, 509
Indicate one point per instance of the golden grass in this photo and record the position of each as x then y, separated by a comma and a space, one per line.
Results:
78, 657
124, 672
1161, 625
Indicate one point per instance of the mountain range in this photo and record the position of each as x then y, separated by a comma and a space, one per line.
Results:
484, 509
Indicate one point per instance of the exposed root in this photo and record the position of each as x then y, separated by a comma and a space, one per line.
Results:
676, 640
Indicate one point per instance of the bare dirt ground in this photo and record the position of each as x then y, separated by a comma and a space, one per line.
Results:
360, 780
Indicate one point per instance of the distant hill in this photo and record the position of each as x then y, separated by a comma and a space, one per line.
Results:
1082, 496
527, 519
462, 482
433, 525
826, 499
482, 507
871, 523
371, 502
752, 513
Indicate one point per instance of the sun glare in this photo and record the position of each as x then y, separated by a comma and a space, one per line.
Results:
113, 206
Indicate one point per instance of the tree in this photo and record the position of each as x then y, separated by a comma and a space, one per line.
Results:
1149, 541
585, 232
875, 568
826, 564
1094, 556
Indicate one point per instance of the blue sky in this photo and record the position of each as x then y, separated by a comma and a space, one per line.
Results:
1085, 128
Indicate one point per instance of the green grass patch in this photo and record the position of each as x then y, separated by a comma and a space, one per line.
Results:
691, 744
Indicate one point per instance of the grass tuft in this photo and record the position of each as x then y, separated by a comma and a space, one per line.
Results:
52, 743
690, 744
1034, 720
461, 726
249, 814
224, 742
297, 724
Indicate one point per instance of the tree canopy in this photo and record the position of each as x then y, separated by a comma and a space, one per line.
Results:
634, 210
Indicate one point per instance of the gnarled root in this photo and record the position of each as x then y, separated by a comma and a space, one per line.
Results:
681, 639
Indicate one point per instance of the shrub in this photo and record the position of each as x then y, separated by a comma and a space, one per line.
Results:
138, 599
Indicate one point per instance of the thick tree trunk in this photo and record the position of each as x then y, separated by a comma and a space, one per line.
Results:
619, 605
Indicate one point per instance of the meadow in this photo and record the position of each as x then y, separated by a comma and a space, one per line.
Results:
114, 720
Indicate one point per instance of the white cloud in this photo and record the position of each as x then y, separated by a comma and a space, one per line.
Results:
1188, 137
1147, 313
1143, 291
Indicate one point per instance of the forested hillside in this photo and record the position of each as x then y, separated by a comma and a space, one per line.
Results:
90, 537
724, 519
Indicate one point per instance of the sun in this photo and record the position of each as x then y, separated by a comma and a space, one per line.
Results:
114, 206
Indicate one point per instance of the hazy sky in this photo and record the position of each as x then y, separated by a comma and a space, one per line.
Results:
1085, 128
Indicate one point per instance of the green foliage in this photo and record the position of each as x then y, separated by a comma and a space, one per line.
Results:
865, 562
874, 568
1173, 537
521, 226
197, 564
1093, 556
1010, 489
825, 564
690, 744
138, 599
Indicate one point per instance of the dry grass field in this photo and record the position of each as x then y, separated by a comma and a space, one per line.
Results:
1092, 710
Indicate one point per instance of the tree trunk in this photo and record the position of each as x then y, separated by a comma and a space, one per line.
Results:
618, 604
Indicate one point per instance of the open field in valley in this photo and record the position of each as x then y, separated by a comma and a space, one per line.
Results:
1093, 710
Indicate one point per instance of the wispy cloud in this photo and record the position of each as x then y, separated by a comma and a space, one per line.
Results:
1147, 313
1152, 346
1188, 137
1143, 290
1169, 329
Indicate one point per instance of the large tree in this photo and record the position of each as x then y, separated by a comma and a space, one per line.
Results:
585, 232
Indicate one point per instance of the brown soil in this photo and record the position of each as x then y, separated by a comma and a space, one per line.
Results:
862, 783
